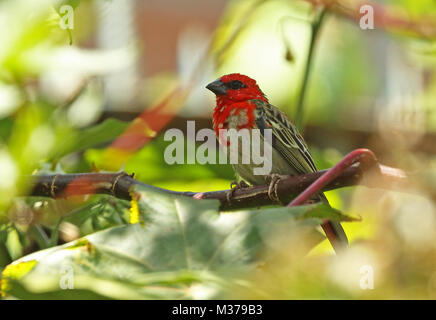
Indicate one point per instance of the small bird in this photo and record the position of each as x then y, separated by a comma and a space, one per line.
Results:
240, 104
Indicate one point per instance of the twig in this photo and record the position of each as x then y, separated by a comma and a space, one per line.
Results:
315, 28
364, 156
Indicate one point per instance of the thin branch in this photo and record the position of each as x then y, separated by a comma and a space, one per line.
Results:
120, 184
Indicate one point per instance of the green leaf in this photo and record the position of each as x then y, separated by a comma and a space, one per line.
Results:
13, 243
183, 245
90, 137
324, 211
104, 211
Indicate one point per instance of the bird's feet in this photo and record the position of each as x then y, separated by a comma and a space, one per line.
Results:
273, 180
234, 185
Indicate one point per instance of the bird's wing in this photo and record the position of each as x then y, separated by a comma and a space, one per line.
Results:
285, 137
291, 146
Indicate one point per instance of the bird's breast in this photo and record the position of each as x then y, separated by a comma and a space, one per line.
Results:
255, 153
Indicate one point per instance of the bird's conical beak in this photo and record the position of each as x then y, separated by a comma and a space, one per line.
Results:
217, 87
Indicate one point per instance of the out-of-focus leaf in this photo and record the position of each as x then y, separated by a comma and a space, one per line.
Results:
20, 290
151, 286
87, 138
327, 212
13, 243
4, 255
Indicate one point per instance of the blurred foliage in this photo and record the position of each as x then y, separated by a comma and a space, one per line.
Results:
52, 99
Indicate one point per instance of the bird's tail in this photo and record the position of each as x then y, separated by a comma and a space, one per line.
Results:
334, 231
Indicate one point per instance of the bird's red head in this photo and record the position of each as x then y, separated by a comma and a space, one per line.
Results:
233, 91
236, 87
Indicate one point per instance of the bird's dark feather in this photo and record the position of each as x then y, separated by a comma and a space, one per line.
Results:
285, 137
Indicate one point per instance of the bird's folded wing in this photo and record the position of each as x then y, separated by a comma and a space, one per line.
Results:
285, 137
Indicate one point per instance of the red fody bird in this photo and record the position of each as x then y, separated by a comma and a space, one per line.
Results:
240, 104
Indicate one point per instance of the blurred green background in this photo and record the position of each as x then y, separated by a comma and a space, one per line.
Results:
66, 94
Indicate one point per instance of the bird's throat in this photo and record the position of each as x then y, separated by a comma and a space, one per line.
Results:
233, 115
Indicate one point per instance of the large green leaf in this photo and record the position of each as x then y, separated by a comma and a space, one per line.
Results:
183, 247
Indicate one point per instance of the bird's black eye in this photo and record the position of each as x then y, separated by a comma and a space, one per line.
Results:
235, 85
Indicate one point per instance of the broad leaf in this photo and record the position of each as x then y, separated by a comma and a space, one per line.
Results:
184, 247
